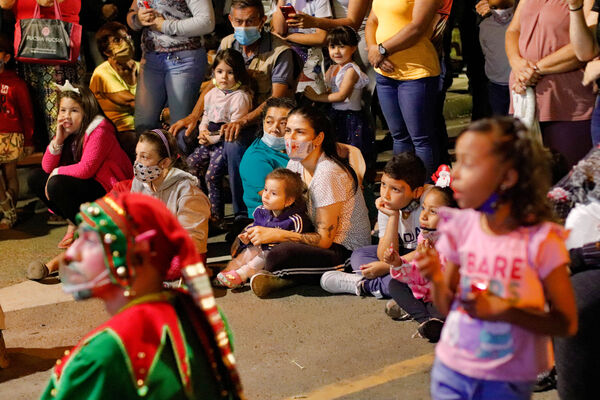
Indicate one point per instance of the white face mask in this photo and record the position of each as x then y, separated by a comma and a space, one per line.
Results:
298, 150
275, 142
146, 174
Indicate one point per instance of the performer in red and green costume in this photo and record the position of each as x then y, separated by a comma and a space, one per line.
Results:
159, 344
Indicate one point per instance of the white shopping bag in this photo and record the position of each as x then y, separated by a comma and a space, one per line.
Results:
524, 109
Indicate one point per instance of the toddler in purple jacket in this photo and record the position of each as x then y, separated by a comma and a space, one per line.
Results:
283, 207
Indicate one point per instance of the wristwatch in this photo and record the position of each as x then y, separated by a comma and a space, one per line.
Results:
382, 50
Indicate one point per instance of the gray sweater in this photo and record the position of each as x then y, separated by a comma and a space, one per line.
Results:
180, 193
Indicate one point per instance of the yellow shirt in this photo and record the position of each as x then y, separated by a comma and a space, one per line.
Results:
418, 61
106, 80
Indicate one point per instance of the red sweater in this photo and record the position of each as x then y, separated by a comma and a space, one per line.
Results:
24, 9
16, 113
102, 158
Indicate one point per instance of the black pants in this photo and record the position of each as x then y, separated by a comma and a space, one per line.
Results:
66, 193
304, 263
577, 357
419, 310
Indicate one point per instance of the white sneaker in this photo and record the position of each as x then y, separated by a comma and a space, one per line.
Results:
341, 282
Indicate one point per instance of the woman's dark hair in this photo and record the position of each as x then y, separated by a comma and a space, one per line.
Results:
278, 102
90, 107
153, 137
342, 35
447, 193
294, 185
104, 34
512, 144
320, 123
235, 60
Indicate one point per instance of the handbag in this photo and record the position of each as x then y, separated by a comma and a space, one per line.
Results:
47, 41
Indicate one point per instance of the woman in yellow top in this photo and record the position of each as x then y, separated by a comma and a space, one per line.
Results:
114, 82
408, 70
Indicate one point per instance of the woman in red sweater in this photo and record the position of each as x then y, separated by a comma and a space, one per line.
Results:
16, 130
84, 159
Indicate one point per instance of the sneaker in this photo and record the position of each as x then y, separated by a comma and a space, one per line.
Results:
395, 312
431, 329
264, 283
341, 282
37, 270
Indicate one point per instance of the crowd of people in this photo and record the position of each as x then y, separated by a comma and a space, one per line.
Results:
280, 98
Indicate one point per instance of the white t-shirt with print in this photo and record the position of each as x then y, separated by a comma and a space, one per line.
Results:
331, 184
408, 228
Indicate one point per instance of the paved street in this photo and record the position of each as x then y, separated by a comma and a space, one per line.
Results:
301, 344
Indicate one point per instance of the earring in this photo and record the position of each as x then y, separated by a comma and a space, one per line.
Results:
129, 293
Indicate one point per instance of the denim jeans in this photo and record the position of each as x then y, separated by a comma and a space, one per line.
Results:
233, 152
408, 107
168, 79
499, 98
596, 123
448, 384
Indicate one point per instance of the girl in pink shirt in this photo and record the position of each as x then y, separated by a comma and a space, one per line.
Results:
228, 101
84, 159
505, 288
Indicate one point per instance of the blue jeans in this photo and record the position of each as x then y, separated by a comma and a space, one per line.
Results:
408, 107
447, 384
378, 287
596, 123
233, 152
499, 98
168, 79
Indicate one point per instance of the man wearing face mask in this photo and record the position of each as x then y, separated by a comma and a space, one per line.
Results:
267, 152
271, 65
164, 344
114, 82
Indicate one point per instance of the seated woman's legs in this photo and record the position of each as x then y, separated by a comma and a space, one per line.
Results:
68, 193
304, 263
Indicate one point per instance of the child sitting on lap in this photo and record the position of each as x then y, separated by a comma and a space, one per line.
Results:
284, 208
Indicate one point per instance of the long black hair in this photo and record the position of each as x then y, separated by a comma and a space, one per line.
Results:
321, 123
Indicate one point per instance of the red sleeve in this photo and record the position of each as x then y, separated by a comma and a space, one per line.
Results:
25, 112
94, 154
122, 187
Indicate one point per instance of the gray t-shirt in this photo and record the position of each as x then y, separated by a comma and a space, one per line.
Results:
331, 184
491, 37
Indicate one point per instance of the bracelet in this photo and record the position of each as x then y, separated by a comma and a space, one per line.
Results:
576, 9
55, 149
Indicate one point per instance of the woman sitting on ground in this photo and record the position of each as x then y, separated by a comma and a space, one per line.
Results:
335, 206
159, 172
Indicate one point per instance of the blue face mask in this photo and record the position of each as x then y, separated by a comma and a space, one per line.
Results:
246, 36
275, 142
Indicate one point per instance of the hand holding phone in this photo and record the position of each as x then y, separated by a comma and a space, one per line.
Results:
287, 10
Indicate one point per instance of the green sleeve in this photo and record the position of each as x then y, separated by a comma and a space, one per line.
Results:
98, 371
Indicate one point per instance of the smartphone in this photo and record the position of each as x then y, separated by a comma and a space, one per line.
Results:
287, 10
146, 4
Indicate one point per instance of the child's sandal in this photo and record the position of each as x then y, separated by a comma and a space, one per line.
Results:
230, 279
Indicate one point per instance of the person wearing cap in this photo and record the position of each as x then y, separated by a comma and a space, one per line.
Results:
164, 344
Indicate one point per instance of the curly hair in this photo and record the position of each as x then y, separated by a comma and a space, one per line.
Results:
512, 143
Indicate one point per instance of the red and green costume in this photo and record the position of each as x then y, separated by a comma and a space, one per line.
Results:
167, 345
